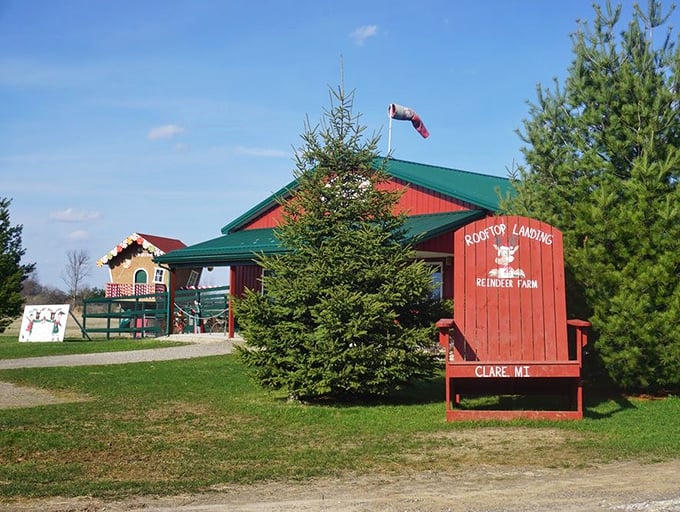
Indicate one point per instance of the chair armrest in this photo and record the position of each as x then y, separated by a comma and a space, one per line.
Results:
444, 325
581, 327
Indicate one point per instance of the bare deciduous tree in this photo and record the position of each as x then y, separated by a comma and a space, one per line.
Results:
75, 272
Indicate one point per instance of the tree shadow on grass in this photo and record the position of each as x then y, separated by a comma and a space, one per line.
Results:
421, 392
590, 406
425, 391
602, 399
600, 392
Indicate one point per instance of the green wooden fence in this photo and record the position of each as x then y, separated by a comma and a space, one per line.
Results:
202, 310
140, 316
143, 316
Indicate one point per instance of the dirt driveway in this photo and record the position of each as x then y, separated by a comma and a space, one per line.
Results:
614, 487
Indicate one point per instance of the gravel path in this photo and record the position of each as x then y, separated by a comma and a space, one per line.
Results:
199, 347
13, 396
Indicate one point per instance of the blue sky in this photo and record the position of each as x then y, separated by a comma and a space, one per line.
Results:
174, 117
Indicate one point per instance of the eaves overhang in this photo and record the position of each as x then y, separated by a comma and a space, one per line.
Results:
243, 247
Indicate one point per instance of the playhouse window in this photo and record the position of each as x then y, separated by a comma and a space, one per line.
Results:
193, 278
159, 275
437, 281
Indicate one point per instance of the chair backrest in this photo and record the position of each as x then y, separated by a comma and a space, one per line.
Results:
509, 295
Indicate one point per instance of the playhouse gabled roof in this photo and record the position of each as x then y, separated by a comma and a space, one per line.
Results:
156, 245
480, 190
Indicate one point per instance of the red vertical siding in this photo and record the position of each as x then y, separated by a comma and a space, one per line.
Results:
415, 200
269, 219
441, 243
245, 276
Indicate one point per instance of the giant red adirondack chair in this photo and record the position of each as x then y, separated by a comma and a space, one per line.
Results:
508, 334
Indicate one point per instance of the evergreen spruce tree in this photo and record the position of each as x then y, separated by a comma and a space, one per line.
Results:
346, 310
12, 272
603, 163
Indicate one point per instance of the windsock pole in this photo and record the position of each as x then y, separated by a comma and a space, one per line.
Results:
389, 134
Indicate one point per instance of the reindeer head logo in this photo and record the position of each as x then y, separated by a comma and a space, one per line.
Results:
505, 254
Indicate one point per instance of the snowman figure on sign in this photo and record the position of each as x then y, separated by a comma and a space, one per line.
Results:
505, 254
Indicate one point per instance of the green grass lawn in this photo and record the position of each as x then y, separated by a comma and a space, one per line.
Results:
184, 426
11, 348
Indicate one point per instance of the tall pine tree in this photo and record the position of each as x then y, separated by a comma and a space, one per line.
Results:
603, 163
346, 309
12, 272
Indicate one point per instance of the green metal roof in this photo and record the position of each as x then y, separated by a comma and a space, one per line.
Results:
240, 247
434, 224
481, 190
237, 247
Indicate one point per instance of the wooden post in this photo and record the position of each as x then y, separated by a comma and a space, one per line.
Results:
170, 328
83, 332
232, 285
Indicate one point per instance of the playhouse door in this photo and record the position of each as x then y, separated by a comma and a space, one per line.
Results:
140, 277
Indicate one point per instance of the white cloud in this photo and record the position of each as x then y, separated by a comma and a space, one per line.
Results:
73, 215
276, 153
78, 235
164, 132
361, 34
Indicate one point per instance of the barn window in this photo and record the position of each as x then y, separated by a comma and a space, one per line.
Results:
159, 275
265, 273
437, 280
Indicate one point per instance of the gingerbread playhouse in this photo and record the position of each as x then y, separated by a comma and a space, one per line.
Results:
132, 270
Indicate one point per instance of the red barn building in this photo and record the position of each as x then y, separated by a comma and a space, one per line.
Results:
437, 201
